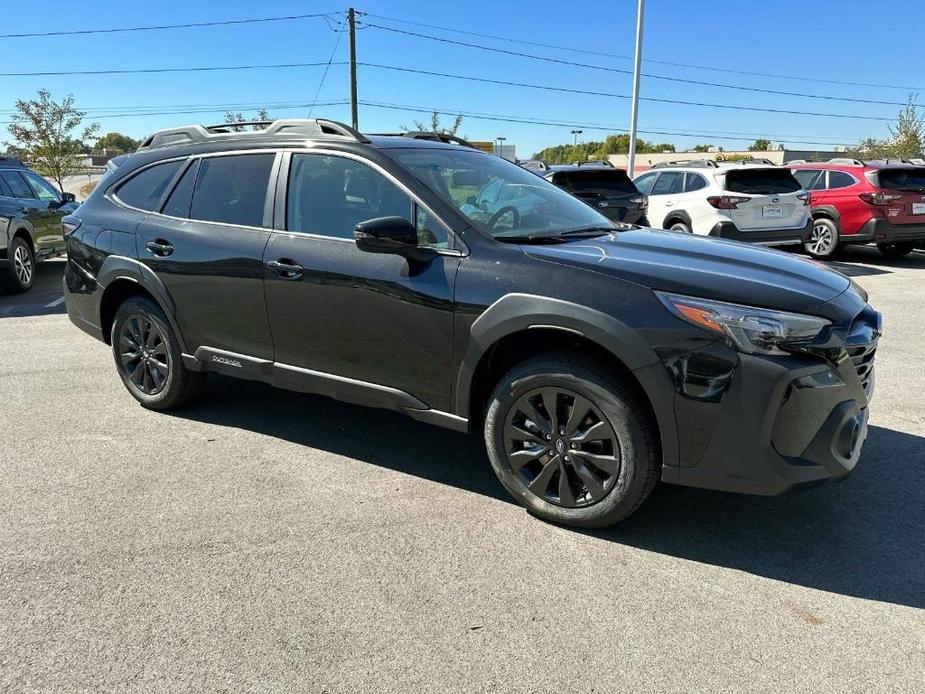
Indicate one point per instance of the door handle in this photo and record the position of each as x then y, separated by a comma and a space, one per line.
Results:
159, 247
286, 270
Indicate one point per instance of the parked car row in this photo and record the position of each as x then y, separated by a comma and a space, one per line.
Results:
822, 205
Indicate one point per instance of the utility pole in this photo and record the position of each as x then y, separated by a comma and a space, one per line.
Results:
354, 115
635, 108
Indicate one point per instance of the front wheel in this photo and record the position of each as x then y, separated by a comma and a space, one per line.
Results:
571, 442
823, 242
897, 249
148, 356
19, 274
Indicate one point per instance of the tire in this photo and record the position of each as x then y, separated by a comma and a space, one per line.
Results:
825, 239
624, 461
897, 249
155, 376
19, 274
680, 226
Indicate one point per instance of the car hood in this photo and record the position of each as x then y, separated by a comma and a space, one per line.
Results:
704, 267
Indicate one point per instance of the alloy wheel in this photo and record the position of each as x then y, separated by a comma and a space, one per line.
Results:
143, 354
22, 265
821, 241
561, 447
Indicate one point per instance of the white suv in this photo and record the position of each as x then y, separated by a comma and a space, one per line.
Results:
757, 202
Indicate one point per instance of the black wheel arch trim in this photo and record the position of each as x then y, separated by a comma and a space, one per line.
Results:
826, 211
515, 313
678, 214
117, 267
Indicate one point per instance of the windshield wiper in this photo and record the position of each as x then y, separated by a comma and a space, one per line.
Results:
595, 230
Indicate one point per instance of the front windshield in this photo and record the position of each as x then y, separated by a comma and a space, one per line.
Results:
498, 197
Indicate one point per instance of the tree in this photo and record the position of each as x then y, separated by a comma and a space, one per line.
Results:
583, 151
759, 145
43, 130
435, 126
231, 117
906, 141
701, 148
117, 141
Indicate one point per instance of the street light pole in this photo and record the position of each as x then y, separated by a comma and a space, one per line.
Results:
635, 107
501, 146
576, 133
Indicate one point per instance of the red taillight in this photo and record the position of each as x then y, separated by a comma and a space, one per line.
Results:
807, 198
643, 202
879, 198
726, 202
68, 226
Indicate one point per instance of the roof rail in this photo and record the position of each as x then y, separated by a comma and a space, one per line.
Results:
693, 163
761, 161
845, 160
309, 127
431, 135
10, 160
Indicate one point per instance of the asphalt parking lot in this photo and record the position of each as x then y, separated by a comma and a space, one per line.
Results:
266, 541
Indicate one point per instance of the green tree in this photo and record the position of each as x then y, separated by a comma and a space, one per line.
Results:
117, 141
583, 151
435, 125
43, 130
231, 117
701, 148
906, 141
759, 145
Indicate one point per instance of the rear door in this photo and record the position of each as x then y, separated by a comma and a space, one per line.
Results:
206, 244
909, 182
773, 201
52, 210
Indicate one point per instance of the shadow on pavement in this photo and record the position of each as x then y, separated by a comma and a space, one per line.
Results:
864, 537
42, 299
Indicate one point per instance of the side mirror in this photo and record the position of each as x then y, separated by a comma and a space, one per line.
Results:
386, 235
67, 197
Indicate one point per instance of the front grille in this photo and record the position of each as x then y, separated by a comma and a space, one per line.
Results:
862, 347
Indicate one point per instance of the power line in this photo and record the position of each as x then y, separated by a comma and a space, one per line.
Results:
568, 90
324, 74
136, 71
160, 27
649, 75
586, 51
587, 126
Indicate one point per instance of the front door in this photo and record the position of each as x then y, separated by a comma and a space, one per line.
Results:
334, 309
206, 246
41, 213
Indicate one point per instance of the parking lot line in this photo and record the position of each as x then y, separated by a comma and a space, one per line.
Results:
56, 302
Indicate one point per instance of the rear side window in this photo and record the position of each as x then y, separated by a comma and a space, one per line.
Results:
644, 182
17, 184
839, 179
594, 181
903, 179
694, 182
178, 203
145, 189
668, 183
810, 179
232, 189
761, 181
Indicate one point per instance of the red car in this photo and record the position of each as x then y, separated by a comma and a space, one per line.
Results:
861, 202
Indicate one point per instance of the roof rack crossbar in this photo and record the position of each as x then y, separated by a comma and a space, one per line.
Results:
845, 160
310, 127
693, 163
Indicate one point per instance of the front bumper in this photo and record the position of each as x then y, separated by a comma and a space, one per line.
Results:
882, 230
776, 237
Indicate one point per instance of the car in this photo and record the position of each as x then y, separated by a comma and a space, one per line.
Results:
537, 166
31, 210
606, 188
854, 202
752, 202
595, 359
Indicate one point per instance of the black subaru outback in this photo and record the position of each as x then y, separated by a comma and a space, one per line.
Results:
596, 361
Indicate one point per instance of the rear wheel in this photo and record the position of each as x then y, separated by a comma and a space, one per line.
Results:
19, 274
678, 225
571, 442
897, 249
148, 356
824, 239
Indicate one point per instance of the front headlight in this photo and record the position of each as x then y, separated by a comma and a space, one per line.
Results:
746, 328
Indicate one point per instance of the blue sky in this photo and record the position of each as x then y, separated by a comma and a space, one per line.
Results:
847, 40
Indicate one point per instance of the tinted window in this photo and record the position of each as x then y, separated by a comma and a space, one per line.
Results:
839, 179
644, 182
596, 181
903, 179
145, 190
431, 231
761, 181
5, 189
329, 196
668, 182
178, 203
17, 184
809, 178
232, 189
42, 188
694, 182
